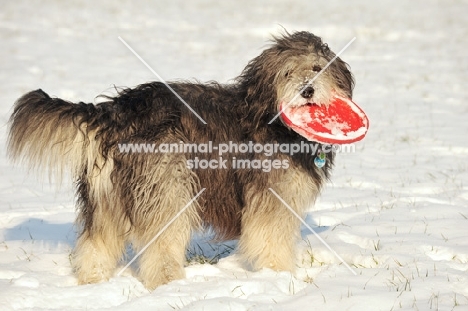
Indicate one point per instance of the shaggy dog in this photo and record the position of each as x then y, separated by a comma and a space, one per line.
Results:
128, 197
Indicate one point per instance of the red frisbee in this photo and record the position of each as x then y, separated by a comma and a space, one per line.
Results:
340, 122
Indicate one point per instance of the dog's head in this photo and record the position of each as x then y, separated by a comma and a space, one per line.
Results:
298, 71
307, 71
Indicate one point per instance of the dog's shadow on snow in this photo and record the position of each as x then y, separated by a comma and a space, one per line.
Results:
36, 229
203, 247
313, 225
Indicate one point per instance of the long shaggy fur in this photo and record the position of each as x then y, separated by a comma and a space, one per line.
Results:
129, 197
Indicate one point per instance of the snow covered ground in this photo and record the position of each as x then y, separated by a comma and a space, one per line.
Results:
396, 209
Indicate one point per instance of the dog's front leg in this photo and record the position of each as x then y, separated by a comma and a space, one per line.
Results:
269, 229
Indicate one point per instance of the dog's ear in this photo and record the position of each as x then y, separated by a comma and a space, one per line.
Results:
341, 73
261, 71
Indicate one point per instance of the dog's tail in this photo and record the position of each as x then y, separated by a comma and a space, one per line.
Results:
51, 134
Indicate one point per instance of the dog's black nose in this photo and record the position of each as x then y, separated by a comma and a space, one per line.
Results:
308, 92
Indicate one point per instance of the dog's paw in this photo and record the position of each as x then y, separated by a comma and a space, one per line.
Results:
91, 275
167, 274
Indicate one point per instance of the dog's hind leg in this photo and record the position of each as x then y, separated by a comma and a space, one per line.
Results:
104, 226
163, 260
98, 250
163, 191
269, 229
